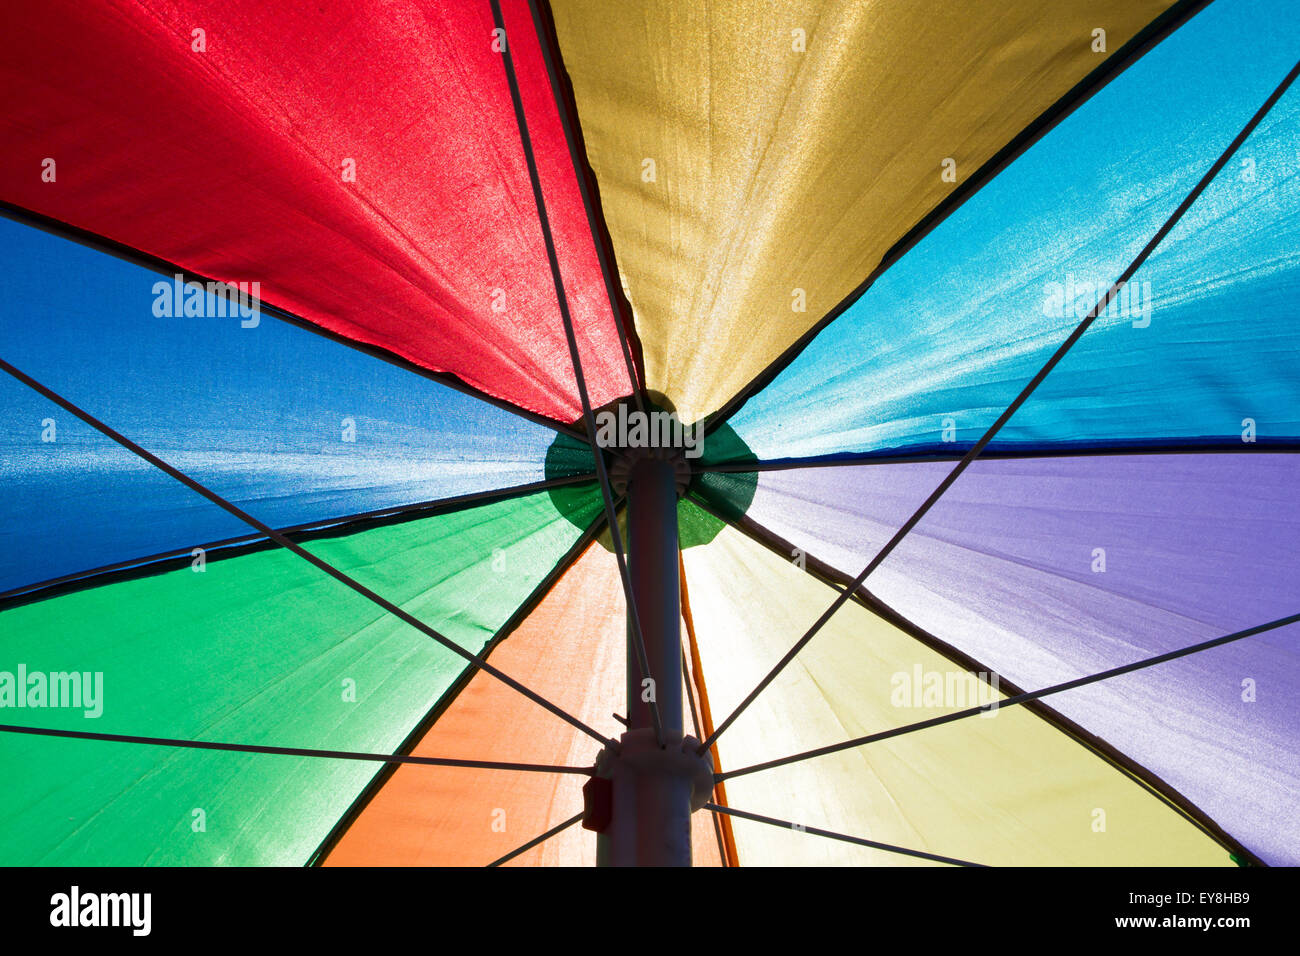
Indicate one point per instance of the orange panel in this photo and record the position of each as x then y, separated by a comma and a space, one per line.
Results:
571, 649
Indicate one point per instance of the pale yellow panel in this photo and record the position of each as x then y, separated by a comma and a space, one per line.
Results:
1009, 789
776, 169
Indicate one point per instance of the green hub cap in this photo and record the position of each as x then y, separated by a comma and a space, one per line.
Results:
623, 433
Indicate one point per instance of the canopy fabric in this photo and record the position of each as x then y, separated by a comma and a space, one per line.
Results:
1046, 569
1004, 790
286, 424
230, 162
571, 648
764, 182
242, 653
849, 234
943, 341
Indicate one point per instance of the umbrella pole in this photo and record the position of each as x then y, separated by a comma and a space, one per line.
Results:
650, 823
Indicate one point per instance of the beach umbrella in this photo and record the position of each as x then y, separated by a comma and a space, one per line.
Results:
660, 432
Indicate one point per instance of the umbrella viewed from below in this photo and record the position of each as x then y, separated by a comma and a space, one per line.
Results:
665, 432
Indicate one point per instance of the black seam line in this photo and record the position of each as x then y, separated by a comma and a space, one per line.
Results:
144, 260
292, 751
450, 695
1020, 399
1137, 46
288, 543
1138, 773
230, 547
559, 828
1016, 699
634, 617
842, 837
1281, 447
567, 109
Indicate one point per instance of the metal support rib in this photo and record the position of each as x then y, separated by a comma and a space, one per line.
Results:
1019, 400
356, 522
651, 821
595, 224
1138, 46
293, 751
168, 269
297, 549
535, 841
1017, 698
587, 414
831, 834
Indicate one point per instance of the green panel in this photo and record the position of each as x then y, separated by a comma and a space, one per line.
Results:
255, 649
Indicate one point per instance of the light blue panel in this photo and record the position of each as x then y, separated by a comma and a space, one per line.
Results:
954, 330
289, 425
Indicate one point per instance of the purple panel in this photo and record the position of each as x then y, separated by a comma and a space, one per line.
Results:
1007, 568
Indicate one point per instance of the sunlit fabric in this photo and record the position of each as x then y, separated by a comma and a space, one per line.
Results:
1204, 338
362, 162
1006, 789
788, 202
288, 425
571, 649
792, 146
258, 649
1053, 568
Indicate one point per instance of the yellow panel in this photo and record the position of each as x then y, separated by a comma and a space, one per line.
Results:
776, 169
1009, 789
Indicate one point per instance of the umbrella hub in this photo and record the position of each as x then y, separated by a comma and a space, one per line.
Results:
630, 432
631, 436
638, 754
624, 461
643, 794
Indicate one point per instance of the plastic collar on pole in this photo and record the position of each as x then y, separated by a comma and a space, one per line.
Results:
638, 754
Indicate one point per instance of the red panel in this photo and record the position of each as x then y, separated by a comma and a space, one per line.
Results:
229, 162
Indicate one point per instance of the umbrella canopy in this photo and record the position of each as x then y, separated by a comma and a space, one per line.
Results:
972, 329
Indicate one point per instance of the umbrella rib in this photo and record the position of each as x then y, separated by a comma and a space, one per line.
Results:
1015, 699
293, 751
430, 508
297, 549
452, 693
1106, 751
558, 828
1138, 46
842, 837
1020, 399
594, 220
634, 618
1284, 446
93, 240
